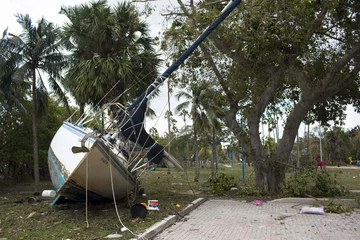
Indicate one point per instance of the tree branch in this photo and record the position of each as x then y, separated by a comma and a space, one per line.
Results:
318, 20
143, 1
172, 14
355, 50
209, 57
329, 36
334, 89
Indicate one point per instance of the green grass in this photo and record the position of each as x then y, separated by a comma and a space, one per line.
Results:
56, 223
349, 178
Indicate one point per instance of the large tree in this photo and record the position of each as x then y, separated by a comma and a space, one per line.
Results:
38, 51
300, 53
112, 54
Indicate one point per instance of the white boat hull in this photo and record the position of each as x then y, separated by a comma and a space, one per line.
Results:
74, 173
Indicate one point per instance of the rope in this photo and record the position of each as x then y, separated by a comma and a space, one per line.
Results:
114, 199
86, 192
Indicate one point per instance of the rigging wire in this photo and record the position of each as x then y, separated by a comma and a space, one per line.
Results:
114, 198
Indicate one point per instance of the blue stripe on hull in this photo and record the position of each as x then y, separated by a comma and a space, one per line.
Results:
57, 177
71, 189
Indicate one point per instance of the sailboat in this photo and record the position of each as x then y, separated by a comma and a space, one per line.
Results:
89, 164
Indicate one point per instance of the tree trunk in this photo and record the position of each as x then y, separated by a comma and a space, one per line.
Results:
308, 146
213, 150
216, 161
270, 172
269, 176
169, 121
196, 159
82, 109
35, 138
297, 152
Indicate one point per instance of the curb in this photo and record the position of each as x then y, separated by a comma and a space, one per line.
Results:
311, 201
163, 224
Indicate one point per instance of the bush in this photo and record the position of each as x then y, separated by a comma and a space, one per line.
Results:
317, 184
222, 183
250, 192
338, 208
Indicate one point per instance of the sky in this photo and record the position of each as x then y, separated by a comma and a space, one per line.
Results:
49, 9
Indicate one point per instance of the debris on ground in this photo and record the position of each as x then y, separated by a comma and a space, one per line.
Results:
258, 202
31, 215
313, 210
115, 235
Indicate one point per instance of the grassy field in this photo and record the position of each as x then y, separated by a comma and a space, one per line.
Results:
349, 178
69, 221
42, 221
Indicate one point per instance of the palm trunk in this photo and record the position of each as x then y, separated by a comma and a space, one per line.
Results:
297, 152
82, 109
308, 146
169, 123
35, 138
196, 159
213, 148
216, 161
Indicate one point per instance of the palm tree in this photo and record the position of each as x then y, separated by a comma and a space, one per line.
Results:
109, 47
38, 50
200, 99
11, 92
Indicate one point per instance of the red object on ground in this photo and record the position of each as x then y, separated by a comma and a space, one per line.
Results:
320, 163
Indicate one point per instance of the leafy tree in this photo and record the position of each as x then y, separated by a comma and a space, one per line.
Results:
337, 144
16, 154
112, 55
302, 52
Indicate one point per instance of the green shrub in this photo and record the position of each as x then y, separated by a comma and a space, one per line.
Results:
222, 183
250, 192
317, 184
326, 185
298, 184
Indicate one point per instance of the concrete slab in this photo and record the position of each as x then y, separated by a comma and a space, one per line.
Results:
232, 220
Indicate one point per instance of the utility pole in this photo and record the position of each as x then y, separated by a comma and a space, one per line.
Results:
320, 133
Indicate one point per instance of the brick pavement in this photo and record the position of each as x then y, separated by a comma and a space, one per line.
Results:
231, 220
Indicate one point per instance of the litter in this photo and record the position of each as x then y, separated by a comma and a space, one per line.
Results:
153, 205
31, 215
313, 210
258, 202
115, 235
31, 200
138, 211
48, 193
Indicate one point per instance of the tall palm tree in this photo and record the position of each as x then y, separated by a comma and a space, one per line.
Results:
109, 47
38, 49
200, 99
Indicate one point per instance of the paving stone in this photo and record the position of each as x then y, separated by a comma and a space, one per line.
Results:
232, 220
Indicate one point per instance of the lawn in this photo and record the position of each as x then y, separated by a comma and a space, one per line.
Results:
69, 221
349, 178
